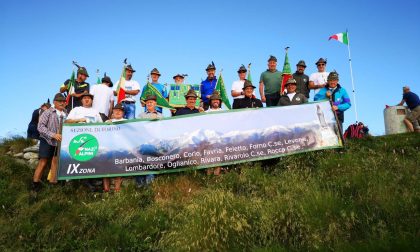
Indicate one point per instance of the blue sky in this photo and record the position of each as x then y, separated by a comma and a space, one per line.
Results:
39, 39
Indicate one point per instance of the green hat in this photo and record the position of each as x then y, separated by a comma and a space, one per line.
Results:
179, 75
87, 94
82, 70
290, 81
150, 97
107, 79
242, 69
191, 93
155, 71
247, 83
272, 58
129, 67
215, 95
321, 60
332, 76
301, 63
119, 106
59, 97
211, 66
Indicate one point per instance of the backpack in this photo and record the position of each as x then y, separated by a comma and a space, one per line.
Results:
356, 130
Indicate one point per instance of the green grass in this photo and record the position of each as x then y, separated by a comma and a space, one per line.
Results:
361, 198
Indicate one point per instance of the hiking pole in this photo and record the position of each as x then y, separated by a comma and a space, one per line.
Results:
340, 130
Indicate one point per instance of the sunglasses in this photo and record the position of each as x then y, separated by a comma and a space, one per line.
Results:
321, 64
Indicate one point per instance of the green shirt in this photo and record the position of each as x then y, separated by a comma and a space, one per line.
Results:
272, 81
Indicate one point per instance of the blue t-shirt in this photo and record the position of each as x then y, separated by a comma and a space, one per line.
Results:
207, 88
411, 99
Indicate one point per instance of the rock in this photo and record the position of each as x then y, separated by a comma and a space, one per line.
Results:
19, 155
30, 155
9, 153
33, 161
34, 148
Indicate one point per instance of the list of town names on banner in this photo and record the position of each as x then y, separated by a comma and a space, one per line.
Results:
138, 147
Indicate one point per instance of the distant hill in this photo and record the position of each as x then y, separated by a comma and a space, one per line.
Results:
363, 197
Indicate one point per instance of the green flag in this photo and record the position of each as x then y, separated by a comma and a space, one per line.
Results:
151, 90
70, 87
220, 86
98, 81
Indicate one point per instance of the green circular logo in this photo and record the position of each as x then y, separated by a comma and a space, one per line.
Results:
83, 147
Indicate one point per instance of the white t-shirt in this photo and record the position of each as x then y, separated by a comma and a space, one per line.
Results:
102, 98
291, 95
319, 78
129, 85
91, 114
237, 86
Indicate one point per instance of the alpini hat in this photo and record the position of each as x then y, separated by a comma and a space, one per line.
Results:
191, 93
129, 67
301, 63
155, 71
242, 69
215, 95
179, 75
211, 66
119, 106
332, 76
150, 97
59, 97
321, 60
290, 81
82, 70
247, 83
272, 58
87, 94
107, 79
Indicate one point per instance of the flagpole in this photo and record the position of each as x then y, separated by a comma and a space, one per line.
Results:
352, 80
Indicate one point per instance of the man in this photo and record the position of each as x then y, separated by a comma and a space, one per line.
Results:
85, 113
117, 115
318, 80
249, 101
208, 85
32, 131
337, 95
151, 109
131, 88
160, 87
150, 113
291, 97
80, 87
49, 129
237, 92
302, 80
270, 82
179, 80
413, 103
104, 96
191, 98
215, 101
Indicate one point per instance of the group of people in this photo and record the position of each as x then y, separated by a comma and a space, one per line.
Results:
78, 102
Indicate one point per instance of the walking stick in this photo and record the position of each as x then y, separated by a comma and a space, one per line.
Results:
56, 158
340, 130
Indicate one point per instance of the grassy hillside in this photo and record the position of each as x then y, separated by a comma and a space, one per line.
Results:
364, 197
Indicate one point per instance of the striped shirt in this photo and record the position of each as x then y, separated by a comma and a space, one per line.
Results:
49, 125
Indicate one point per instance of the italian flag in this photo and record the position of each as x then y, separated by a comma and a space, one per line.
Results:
340, 37
121, 87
